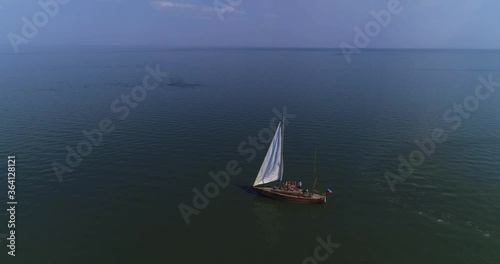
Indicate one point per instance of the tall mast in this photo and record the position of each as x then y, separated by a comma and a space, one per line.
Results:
282, 139
314, 170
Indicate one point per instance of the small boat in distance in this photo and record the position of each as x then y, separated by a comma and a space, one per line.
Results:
271, 170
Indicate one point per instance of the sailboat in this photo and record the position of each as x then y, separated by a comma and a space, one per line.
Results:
271, 170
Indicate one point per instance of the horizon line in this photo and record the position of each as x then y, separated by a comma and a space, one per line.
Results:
237, 47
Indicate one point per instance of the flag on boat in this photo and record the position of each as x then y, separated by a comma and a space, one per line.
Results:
328, 192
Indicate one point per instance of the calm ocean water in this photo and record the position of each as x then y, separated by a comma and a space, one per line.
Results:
120, 205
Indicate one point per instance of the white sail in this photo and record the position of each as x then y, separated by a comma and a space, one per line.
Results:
272, 167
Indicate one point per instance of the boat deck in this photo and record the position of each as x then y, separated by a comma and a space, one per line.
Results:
295, 196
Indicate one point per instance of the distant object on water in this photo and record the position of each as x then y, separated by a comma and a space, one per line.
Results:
182, 84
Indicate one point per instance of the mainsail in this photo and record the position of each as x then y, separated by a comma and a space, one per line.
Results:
272, 167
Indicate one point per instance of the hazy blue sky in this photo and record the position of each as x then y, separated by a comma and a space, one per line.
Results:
270, 23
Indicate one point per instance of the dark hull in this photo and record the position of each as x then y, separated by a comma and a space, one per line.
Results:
291, 196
